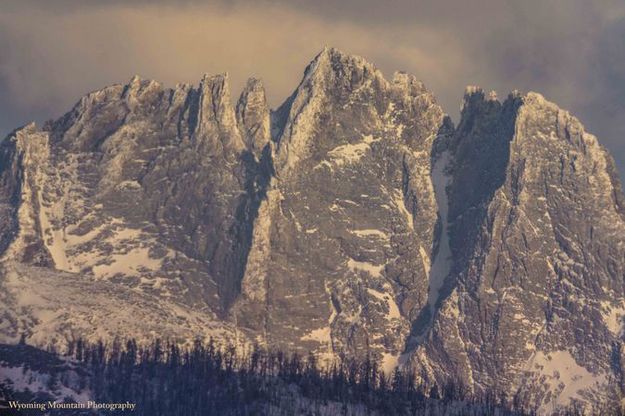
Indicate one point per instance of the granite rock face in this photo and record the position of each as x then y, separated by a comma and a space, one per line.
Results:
534, 301
344, 239
353, 220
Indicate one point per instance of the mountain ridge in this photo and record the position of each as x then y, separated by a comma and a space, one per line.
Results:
319, 227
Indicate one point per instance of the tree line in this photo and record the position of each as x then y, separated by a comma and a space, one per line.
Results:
165, 378
204, 378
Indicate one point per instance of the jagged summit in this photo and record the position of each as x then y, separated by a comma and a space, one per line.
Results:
337, 58
331, 71
343, 82
473, 93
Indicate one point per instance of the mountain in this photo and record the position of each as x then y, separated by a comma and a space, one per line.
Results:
353, 220
534, 300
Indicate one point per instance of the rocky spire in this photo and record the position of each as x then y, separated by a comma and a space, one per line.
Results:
331, 78
253, 116
215, 115
23, 162
137, 88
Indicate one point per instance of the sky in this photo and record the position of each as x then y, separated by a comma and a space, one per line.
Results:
572, 51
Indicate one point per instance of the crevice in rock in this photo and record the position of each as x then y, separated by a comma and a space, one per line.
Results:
257, 176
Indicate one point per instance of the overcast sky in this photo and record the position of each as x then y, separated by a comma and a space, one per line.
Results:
572, 51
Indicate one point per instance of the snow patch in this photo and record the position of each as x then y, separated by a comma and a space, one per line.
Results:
425, 259
389, 363
613, 316
321, 335
372, 269
53, 238
22, 379
371, 233
393, 309
563, 377
76, 239
128, 264
350, 153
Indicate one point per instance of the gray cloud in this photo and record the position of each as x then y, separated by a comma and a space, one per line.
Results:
52, 52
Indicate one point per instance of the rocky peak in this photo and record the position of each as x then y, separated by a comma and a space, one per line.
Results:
253, 116
408, 83
481, 149
335, 83
562, 136
215, 114
132, 88
335, 65
476, 100
134, 92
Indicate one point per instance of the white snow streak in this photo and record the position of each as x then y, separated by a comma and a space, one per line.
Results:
442, 262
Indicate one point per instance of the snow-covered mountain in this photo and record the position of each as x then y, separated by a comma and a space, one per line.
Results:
355, 219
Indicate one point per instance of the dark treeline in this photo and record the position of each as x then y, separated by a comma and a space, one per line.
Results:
204, 379
164, 378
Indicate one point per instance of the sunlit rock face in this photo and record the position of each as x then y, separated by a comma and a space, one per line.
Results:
142, 189
344, 239
353, 220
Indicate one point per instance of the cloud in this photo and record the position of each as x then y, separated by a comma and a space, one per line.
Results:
50, 58
51, 53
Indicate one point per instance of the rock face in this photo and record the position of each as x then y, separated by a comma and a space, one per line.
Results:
343, 242
353, 220
534, 300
